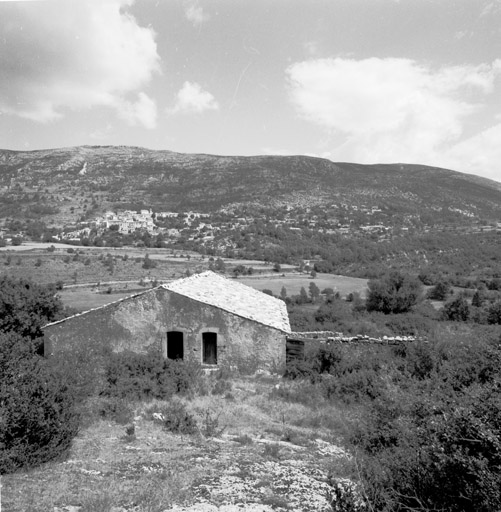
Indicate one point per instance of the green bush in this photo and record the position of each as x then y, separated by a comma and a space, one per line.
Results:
38, 419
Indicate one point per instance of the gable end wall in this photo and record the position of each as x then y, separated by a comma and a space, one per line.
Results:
140, 324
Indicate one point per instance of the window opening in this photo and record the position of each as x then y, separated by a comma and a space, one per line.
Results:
209, 343
175, 345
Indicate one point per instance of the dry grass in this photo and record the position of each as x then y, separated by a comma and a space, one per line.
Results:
257, 434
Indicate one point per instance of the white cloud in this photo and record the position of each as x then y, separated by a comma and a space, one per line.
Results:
390, 110
142, 112
192, 98
480, 154
195, 14
75, 54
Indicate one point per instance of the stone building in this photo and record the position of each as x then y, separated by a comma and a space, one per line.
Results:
206, 318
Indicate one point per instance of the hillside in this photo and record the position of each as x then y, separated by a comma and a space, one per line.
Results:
62, 185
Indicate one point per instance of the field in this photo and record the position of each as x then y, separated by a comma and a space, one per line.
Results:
91, 265
88, 273
294, 282
250, 449
84, 298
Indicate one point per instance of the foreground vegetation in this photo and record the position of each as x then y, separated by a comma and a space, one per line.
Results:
414, 426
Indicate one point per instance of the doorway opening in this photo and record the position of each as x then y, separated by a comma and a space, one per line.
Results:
209, 347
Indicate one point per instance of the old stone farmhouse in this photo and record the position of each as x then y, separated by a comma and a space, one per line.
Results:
206, 318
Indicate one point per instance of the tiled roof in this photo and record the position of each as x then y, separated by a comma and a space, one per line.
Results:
234, 297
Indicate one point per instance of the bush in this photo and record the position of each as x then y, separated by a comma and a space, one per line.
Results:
440, 291
139, 376
174, 417
148, 263
25, 306
38, 419
434, 443
435, 455
393, 293
456, 310
115, 409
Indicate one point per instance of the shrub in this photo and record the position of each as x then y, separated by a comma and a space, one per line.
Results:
271, 450
434, 456
456, 310
115, 409
435, 442
210, 425
148, 263
25, 306
139, 376
393, 293
37, 410
221, 387
440, 291
174, 417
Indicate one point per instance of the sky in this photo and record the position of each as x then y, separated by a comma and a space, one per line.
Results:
366, 81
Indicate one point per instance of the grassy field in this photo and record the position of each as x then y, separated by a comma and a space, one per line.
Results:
84, 298
88, 266
294, 282
250, 448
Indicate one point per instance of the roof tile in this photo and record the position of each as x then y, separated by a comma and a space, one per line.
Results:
234, 297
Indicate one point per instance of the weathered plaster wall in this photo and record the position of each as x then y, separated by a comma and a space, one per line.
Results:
141, 323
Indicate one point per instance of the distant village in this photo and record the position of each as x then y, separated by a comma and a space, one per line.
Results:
341, 219
229, 228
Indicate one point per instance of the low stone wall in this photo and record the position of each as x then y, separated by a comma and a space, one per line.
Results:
339, 337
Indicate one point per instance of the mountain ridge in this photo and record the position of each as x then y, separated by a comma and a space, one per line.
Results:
165, 179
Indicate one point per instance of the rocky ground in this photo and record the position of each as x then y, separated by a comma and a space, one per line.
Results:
249, 453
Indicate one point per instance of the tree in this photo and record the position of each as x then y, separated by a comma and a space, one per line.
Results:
478, 298
303, 296
148, 263
283, 293
440, 291
314, 291
277, 267
456, 310
393, 293
239, 270
25, 307
494, 313
219, 265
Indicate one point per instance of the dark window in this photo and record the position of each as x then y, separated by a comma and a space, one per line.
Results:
294, 350
209, 342
175, 347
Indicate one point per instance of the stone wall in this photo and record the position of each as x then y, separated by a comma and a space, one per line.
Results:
338, 337
140, 324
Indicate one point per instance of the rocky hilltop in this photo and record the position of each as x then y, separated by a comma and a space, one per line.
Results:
111, 177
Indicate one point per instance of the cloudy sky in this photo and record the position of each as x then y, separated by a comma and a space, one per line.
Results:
368, 81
